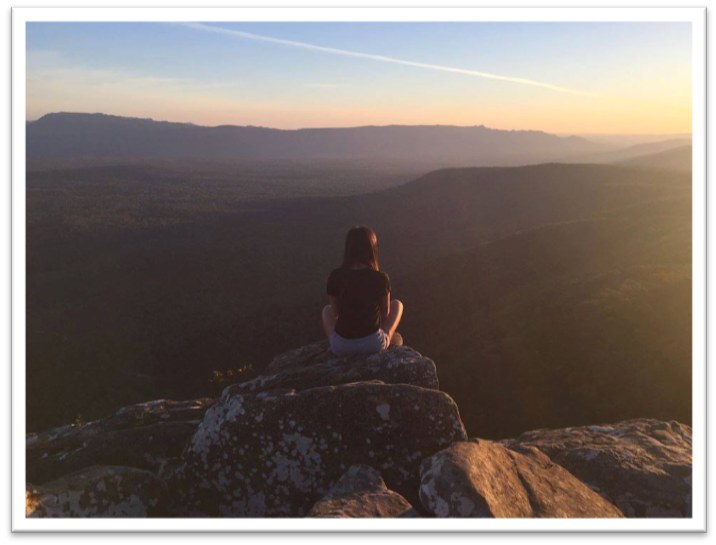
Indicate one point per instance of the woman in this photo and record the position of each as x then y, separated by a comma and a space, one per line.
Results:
360, 317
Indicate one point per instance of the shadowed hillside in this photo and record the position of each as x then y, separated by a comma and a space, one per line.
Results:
142, 283
673, 159
635, 152
564, 324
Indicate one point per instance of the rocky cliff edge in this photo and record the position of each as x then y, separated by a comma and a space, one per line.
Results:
323, 436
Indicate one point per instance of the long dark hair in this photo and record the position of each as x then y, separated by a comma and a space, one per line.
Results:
361, 248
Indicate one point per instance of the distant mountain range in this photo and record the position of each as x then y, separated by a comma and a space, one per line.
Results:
621, 141
77, 135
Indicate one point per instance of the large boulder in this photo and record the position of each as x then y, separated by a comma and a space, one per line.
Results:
277, 453
144, 436
642, 466
484, 479
99, 491
361, 493
313, 366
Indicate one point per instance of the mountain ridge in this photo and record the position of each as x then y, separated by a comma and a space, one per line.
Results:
675, 158
100, 135
98, 115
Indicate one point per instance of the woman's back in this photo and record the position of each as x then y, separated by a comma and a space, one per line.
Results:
360, 317
359, 292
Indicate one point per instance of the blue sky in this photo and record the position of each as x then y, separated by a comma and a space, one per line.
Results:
626, 77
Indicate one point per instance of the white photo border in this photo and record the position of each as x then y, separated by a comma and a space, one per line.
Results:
21, 15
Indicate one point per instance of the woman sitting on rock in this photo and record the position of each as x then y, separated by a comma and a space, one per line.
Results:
360, 317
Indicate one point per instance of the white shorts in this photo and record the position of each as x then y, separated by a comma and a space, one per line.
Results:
372, 344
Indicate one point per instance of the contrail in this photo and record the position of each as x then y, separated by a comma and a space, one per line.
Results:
333, 51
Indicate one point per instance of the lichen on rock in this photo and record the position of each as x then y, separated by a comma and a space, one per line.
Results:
642, 466
100, 491
314, 366
361, 436
145, 436
282, 463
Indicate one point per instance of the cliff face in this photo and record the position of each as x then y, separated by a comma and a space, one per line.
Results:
323, 436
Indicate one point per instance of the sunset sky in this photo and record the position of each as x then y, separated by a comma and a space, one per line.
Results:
558, 77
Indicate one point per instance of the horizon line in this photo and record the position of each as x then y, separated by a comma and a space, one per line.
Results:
560, 134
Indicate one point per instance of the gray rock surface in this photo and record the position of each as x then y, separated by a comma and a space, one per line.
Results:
313, 366
484, 479
100, 491
642, 466
318, 434
144, 436
361, 493
277, 453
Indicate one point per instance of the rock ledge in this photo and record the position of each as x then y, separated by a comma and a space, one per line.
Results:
322, 436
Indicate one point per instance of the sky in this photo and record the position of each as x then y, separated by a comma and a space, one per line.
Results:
566, 78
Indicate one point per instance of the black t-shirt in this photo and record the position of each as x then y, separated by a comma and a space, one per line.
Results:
359, 292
